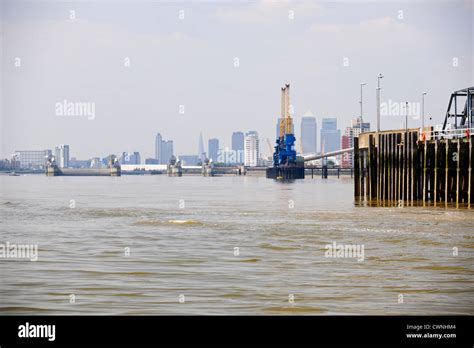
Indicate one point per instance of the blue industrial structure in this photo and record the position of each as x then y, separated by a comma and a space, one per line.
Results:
285, 162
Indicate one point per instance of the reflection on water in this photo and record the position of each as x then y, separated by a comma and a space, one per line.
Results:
230, 245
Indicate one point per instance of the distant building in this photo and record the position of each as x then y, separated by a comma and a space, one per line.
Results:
347, 142
61, 156
32, 159
347, 139
238, 146
158, 142
213, 146
189, 160
201, 151
251, 149
278, 128
75, 163
358, 127
151, 161
330, 135
130, 158
96, 163
163, 149
308, 134
166, 151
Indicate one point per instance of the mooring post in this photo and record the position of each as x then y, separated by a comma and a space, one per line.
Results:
356, 168
403, 176
362, 174
469, 177
394, 168
458, 193
446, 174
412, 142
425, 145
435, 186
369, 167
389, 166
382, 163
378, 167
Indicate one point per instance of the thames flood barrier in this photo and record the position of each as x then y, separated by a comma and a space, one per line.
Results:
113, 169
419, 166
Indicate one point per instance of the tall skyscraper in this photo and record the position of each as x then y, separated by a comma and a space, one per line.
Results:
158, 142
213, 146
330, 135
308, 134
166, 151
61, 153
163, 149
201, 151
251, 149
238, 146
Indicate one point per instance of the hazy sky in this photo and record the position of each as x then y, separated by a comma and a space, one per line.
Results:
323, 49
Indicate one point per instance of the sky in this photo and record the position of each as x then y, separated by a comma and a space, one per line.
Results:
185, 67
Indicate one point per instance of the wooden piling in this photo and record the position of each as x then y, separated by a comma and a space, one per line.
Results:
458, 193
356, 169
425, 148
469, 170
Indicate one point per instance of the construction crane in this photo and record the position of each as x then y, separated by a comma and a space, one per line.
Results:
285, 163
285, 153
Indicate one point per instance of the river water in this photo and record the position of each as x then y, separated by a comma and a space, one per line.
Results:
226, 245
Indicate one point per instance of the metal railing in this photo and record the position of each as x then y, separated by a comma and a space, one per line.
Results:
453, 133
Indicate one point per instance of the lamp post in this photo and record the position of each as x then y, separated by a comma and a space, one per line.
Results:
380, 76
423, 110
361, 117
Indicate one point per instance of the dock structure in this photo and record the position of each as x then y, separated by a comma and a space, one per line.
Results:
414, 167
420, 166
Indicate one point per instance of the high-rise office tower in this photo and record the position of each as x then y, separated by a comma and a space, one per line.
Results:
201, 151
213, 146
158, 142
238, 146
308, 134
163, 149
166, 151
330, 135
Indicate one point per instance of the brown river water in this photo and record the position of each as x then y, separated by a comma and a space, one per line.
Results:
226, 245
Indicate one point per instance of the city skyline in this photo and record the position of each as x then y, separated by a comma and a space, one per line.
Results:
164, 148
200, 67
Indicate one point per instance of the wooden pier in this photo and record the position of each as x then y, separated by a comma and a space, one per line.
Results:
414, 167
